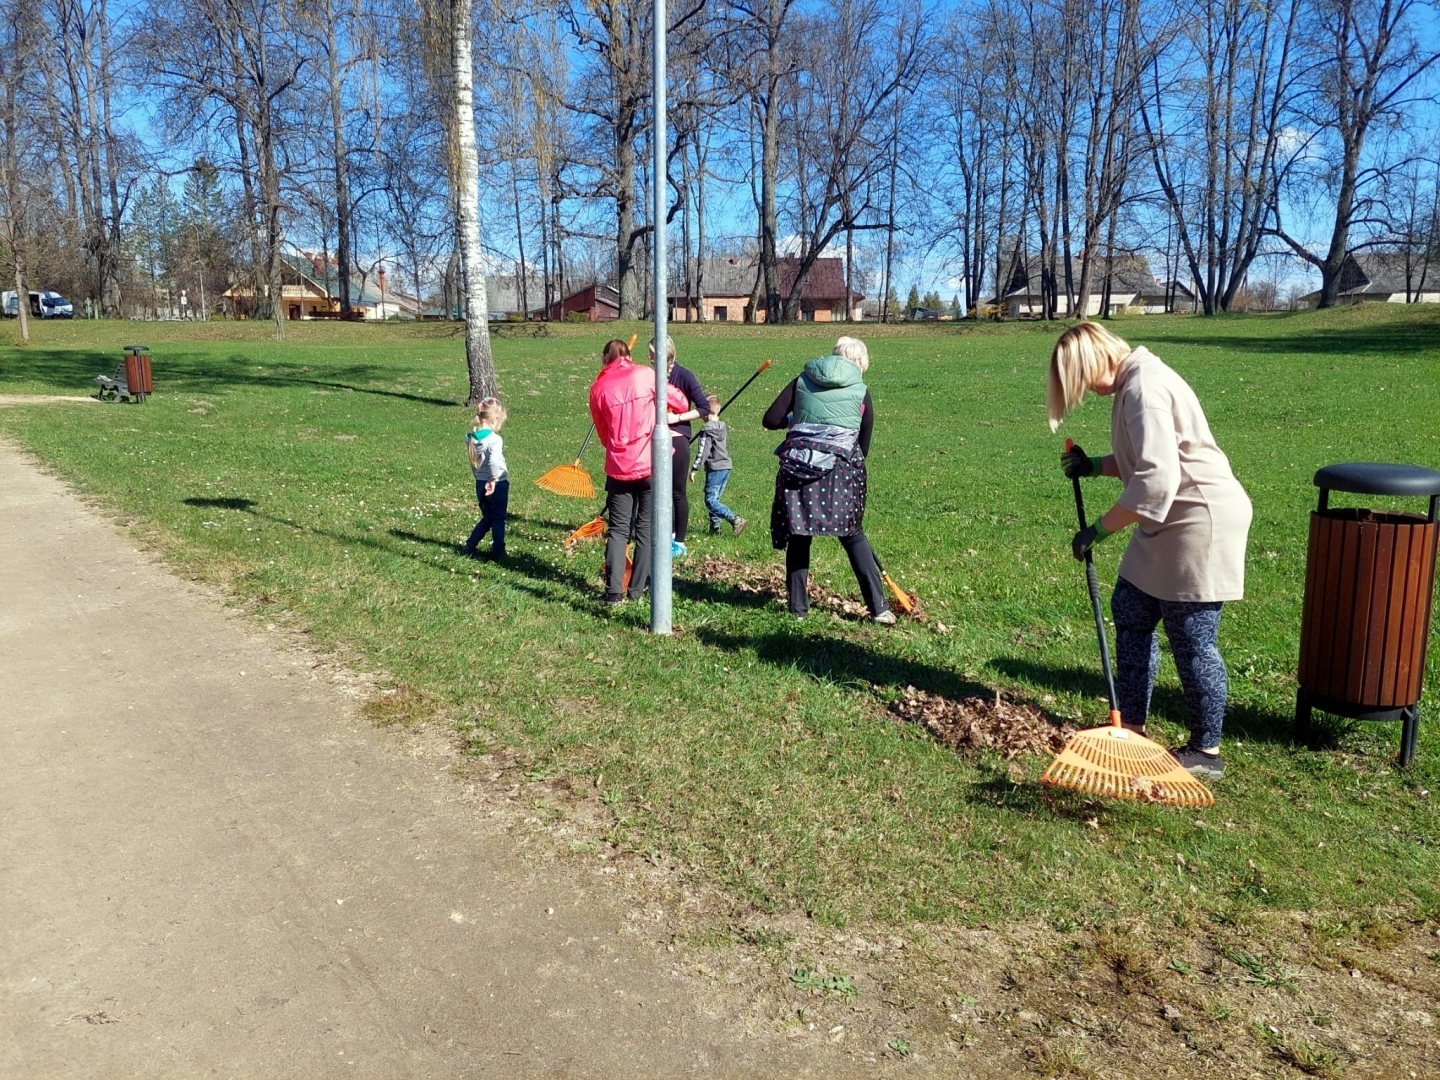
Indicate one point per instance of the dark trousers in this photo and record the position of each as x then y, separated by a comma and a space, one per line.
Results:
627, 514
1194, 631
862, 561
679, 478
493, 508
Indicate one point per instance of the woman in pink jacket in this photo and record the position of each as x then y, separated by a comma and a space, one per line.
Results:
622, 404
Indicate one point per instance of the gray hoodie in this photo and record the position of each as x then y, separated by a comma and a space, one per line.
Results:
715, 454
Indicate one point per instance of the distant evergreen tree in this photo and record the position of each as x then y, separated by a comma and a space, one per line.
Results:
955, 310
913, 300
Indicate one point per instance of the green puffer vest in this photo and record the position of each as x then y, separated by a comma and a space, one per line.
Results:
829, 391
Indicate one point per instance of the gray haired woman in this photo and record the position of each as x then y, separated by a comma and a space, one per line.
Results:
828, 416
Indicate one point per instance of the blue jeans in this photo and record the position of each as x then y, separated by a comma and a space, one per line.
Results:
714, 488
492, 518
1194, 632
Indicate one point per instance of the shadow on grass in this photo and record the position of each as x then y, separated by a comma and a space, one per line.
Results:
1069, 679
1242, 720
1411, 336
220, 504
709, 592
843, 662
79, 368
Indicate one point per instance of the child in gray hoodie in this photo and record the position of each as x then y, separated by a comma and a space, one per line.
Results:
714, 455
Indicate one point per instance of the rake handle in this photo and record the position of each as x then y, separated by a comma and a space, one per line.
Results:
759, 371
584, 444
1092, 583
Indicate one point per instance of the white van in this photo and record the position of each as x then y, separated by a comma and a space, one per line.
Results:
43, 305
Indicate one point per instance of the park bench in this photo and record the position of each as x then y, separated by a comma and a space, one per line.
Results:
115, 387
132, 378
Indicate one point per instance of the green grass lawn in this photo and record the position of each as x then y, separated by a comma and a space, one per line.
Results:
324, 477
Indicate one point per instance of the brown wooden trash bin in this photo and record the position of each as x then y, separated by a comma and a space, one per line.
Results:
1369, 585
138, 376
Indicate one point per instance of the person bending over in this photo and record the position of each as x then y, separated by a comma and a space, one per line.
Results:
1192, 518
622, 404
828, 417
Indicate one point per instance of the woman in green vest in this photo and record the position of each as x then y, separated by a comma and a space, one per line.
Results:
827, 416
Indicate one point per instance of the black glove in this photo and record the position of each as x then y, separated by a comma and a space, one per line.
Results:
1077, 464
1086, 539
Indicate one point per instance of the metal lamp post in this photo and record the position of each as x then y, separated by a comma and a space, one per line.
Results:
661, 506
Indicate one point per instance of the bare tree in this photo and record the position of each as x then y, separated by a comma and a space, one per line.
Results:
16, 48
1367, 64
465, 166
1217, 87
841, 169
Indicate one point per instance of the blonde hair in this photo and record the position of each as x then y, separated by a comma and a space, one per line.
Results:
853, 349
669, 349
1083, 355
490, 414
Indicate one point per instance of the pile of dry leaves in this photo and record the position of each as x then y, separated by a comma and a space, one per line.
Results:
768, 579
976, 723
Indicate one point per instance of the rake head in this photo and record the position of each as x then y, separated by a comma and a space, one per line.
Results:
1115, 762
569, 480
589, 531
906, 602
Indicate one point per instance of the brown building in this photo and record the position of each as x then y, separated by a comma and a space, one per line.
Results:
730, 291
310, 289
598, 303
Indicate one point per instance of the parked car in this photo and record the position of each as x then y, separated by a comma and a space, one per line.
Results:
43, 305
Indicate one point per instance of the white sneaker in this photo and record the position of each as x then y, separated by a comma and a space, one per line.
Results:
885, 618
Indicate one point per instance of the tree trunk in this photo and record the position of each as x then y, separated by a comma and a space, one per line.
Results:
342, 168
769, 173
110, 268
481, 365
14, 199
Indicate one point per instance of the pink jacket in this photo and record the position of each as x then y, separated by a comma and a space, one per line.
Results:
622, 404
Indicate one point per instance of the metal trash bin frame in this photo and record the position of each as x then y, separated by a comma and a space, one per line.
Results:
1373, 571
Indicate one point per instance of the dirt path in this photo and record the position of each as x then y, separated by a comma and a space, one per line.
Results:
210, 866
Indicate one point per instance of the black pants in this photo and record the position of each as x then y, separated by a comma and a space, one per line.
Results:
627, 512
862, 561
679, 481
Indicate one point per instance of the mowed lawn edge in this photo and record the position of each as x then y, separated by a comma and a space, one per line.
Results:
323, 478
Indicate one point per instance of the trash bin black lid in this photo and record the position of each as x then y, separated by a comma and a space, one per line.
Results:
136, 348
1379, 478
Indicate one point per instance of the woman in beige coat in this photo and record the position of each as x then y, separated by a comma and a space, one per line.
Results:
1192, 517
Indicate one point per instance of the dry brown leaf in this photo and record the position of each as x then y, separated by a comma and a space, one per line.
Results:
768, 579
976, 723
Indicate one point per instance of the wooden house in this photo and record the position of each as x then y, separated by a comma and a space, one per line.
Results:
729, 287
597, 302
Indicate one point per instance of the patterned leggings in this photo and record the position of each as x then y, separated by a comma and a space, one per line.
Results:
1193, 630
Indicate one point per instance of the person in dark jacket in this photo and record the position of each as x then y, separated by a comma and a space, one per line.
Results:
685, 389
820, 490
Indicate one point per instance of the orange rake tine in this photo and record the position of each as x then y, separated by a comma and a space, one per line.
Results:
902, 598
591, 529
1120, 764
570, 480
